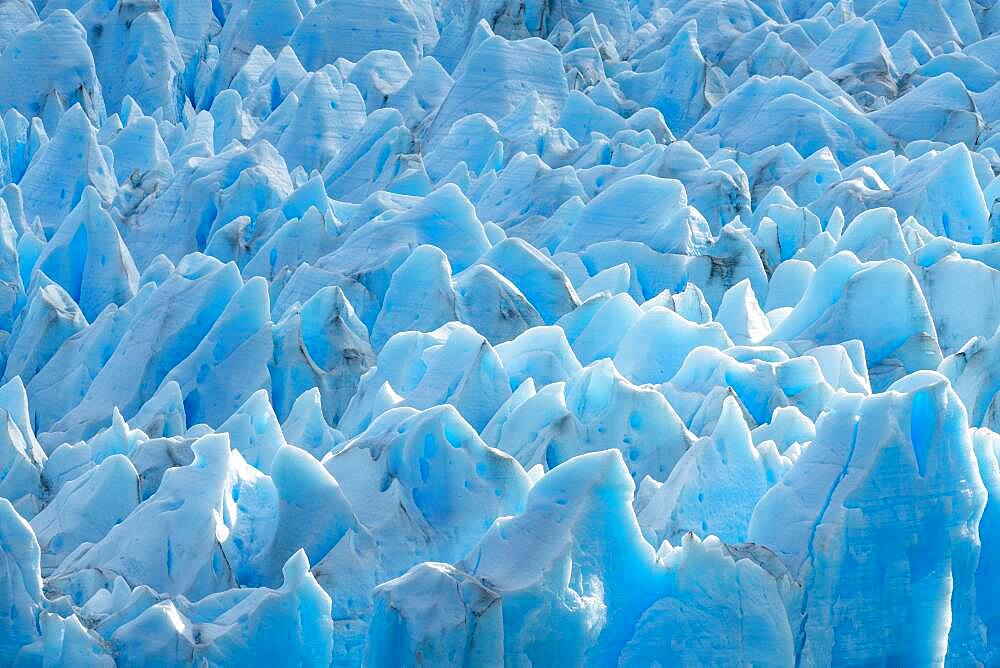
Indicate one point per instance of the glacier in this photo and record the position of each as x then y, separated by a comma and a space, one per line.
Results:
499, 333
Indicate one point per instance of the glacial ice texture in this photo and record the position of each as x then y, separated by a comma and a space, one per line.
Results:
499, 333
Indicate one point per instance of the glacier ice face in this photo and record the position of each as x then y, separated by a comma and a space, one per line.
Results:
22, 582
554, 332
916, 434
438, 613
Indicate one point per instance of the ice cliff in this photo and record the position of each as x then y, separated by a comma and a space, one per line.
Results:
499, 333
